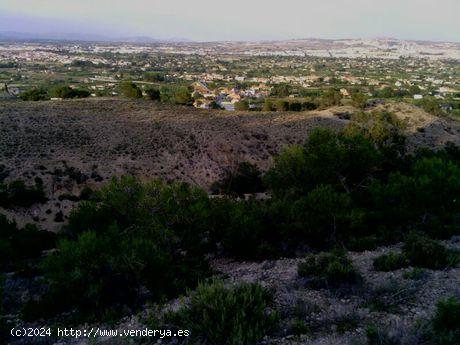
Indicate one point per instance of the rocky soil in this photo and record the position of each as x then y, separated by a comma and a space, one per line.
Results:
76, 143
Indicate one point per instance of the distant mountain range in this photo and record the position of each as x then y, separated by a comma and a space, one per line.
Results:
28, 36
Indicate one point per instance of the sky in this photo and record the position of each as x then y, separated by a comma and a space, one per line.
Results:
212, 20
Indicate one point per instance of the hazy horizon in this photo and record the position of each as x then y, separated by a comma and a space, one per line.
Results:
237, 21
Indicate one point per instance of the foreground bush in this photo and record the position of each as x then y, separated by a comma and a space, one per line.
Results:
138, 236
66, 92
246, 178
19, 245
233, 315
333, 269
418, 251
390, 262
446, 322
36, 94
17, 193
424, 252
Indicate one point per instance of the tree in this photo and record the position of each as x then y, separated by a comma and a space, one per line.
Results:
295, 106
331, 98
242, 105
359, 100
282, 105
153, 94
130, 90
36, 94
386, 92
268, 105
67, 92
281, 90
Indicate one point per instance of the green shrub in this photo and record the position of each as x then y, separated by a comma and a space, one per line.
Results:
68, 92
378, 336
446, 322
331, 98
415, 274
176, 94
242, 106
327, 158
248, 229
137, 235
153, 94
17, 194
321, 216
36, 94
295, 106
217, 314
130, 90
245, 179
359, 100
424, 252
281, 105
360, 244
19, 245
333, 269
390, 262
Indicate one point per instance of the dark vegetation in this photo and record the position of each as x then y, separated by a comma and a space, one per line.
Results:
233, 315
133, 242
18, 194
19, 246
445, 324
246, 178
63, 91
418, 251
329, 270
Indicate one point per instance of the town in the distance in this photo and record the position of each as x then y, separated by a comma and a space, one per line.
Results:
292, 75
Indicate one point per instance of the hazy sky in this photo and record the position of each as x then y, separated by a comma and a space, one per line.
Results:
237, 19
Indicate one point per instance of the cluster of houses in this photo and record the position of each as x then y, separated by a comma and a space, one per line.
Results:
225, 97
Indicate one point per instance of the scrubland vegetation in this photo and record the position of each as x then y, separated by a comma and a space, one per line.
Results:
133, 244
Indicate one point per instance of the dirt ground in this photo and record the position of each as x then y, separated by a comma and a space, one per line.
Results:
92, 140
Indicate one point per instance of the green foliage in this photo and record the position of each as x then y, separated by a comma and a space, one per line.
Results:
431, 105
68, 92
17, 194
268, 105
130, 90
415, 274
247, 229
386, 92
282, 105
331, 98
320, 216
242, 106
295, 106
137, 235
359, 100
329, 270
176, 94
281, 90
234, 315
154, 77
326, 158
377, 336
153, 94
390, 262
446, 322
383, 129
247, 178
424, 252
360, 244
19, 245
35, 94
